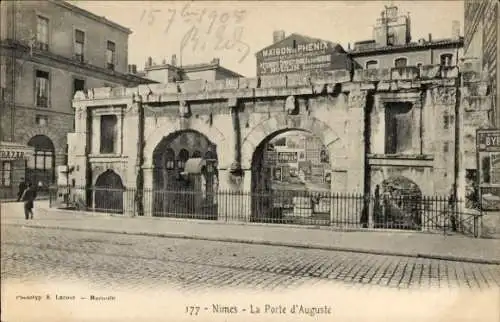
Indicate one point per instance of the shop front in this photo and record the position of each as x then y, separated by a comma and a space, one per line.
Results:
13, 158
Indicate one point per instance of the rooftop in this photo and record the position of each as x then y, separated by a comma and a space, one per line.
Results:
369, 46
88, 14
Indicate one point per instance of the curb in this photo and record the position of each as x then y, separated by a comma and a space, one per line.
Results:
271, 243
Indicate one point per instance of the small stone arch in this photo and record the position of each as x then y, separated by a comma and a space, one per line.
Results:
211, 132
280, 124
108, 192
398, 204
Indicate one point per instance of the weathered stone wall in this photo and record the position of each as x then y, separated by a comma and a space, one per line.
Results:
237, 115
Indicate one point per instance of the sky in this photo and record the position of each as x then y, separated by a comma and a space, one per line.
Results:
199, 31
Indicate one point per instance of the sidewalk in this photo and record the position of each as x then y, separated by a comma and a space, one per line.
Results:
413, 244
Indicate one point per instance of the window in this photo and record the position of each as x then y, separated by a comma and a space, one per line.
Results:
5, 174
391, 39
110, 55
78, 85
371, 64
108, 133
42, 33
42, 89
42, 120
399, 128
182, 158
400, 62
446, 59
419, 65
79, 44
196, 154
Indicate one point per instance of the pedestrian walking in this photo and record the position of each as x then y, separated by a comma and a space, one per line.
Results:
22, 187
28, 198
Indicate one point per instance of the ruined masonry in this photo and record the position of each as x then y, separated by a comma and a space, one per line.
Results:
378, 125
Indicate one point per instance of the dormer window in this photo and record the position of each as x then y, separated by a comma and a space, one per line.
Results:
401, 62
371, 64
446, 60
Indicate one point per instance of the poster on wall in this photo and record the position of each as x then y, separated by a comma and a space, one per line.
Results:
488, 158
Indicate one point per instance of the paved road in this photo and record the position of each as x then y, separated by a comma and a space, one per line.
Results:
139, 261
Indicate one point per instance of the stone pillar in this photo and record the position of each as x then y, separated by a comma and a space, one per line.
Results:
96, 134
355, 144
377, 133
129, 150
234, 197
148, 192
77, 154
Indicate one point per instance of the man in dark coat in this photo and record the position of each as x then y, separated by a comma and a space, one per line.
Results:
28, 198
22, 187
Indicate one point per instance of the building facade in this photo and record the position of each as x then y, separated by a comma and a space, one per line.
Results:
49, 51
481, 44
392, 45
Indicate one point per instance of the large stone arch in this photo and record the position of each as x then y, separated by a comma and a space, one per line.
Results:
279, 124
210, 132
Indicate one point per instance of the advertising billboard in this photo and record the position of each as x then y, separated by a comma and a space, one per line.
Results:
300, 54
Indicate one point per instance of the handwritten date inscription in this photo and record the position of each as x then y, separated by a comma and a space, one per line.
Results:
205, 28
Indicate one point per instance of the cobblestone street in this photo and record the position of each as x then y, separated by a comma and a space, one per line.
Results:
136, 262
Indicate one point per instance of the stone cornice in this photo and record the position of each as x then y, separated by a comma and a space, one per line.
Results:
90, 15
395, 80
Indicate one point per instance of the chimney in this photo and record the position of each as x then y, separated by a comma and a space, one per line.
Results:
455, 29
430, 37
134, 69
164, 61
173, 60
278, 35
129, 69
149, 62
216, 61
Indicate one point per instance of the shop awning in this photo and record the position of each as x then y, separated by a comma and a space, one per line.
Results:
194, 165
15, 151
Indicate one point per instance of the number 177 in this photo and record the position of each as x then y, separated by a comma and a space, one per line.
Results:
192, 310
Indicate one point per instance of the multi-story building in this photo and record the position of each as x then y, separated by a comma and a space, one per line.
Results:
49, 51
392, 45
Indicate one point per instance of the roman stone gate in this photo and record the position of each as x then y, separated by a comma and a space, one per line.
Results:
212, 141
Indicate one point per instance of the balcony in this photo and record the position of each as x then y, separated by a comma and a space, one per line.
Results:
42, 101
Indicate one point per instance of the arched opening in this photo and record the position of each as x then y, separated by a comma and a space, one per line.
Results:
40, 167
398, 204
108, 194
181, 189
291, 178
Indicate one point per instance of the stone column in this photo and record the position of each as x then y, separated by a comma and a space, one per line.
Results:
148, 192
77, 143
234, 197
129, 144
355, 144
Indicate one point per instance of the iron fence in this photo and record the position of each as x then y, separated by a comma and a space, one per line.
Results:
416, 213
